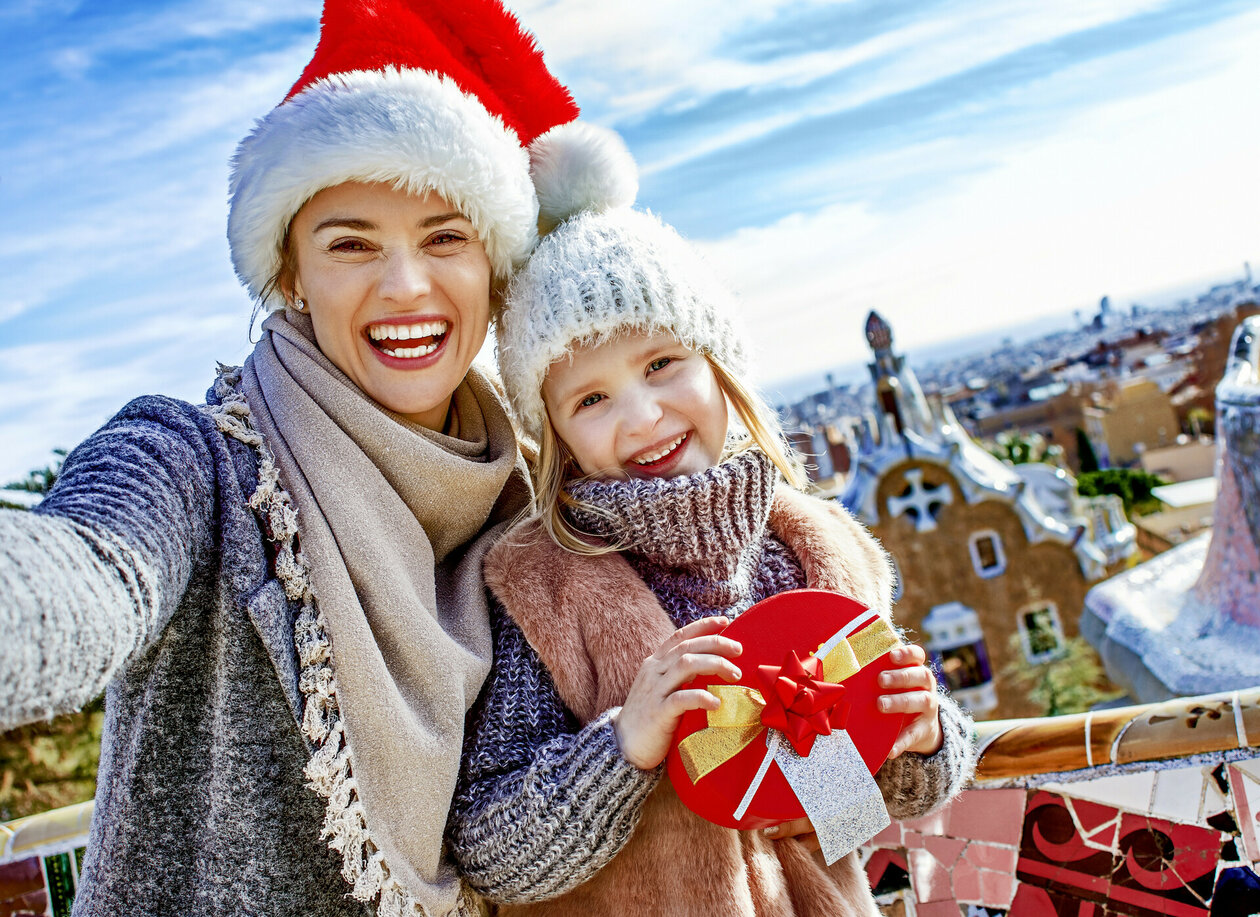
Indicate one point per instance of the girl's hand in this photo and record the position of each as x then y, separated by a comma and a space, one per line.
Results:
916, 695
646, 722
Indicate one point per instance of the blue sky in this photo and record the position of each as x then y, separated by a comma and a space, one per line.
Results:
957, 164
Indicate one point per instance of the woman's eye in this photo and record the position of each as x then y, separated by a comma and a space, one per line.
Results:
445, 242
590, 400
659, 363
349, 245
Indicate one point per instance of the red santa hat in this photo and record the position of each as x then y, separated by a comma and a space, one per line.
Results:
446, 97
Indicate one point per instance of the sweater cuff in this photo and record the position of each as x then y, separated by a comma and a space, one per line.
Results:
603, 736
913, 784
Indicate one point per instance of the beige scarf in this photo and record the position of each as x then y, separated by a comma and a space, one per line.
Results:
386, 513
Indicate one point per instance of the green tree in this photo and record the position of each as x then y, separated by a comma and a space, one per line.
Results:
49, 765
1071, 682
37, 481
1131, 485
1087, 458
53, 764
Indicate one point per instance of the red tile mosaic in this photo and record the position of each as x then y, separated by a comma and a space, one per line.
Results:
931, 879
937, 909
887, 871
1053, 855
1246, 817
1031, 901
936, 823
996, 816
946, 849
997, 888
19, 878
966, 883
889, 837
34, 904
991, 856
1164, 867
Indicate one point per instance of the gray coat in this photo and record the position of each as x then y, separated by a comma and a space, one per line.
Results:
145, 573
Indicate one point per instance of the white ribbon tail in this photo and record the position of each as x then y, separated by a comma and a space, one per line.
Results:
772, 741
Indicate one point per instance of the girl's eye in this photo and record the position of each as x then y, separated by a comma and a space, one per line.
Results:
659, 363
590, 400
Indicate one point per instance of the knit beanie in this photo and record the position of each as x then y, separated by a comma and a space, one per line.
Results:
600, 272
445, 97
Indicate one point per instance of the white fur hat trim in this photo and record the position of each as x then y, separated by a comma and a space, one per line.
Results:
415, 130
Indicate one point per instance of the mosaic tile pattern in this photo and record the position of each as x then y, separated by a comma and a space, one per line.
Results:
1179, 839
1155, 843
40, 886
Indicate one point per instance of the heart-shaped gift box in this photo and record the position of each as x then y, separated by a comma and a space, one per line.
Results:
793, 644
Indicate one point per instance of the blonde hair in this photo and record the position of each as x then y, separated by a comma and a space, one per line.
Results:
555, 466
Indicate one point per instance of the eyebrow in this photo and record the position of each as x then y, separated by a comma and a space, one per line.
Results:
368, 225
570, 391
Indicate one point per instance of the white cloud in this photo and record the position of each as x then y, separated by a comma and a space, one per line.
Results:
1122, 199
172, 351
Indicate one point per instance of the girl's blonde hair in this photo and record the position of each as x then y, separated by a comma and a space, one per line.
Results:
555, 466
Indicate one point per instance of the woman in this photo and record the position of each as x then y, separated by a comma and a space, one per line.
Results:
284, 585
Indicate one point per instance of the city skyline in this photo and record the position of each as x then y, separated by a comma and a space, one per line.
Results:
959, 168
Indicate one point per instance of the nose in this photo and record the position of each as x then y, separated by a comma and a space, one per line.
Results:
640, 413
405, 277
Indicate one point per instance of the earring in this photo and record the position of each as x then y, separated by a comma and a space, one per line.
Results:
299, 304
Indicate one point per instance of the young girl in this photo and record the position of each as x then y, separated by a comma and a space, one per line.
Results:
656, 521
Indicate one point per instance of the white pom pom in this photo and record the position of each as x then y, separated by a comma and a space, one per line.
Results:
579, 167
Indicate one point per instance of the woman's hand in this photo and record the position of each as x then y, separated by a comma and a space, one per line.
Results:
800, 828
915, 688
646, 722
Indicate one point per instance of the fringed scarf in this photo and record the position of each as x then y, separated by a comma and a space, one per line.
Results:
397, 643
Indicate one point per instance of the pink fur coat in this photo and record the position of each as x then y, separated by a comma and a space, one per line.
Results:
677, 863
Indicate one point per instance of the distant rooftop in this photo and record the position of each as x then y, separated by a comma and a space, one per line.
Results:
1187, 493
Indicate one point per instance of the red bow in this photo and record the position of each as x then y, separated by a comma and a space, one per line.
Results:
799, 703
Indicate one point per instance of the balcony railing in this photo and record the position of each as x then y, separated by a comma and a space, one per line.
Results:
1145, 810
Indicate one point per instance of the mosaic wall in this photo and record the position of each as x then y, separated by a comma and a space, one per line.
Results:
40, 886
1180, 842
1172, 841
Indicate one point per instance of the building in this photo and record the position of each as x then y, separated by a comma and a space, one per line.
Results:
992, 561
1188, 621
1138, 415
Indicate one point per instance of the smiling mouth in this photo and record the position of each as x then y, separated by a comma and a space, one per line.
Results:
408, 341
661, 455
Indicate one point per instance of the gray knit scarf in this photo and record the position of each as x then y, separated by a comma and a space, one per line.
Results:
701, 542
385, 510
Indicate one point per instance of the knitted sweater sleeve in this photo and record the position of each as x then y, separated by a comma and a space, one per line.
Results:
93, 573
542, 803
914, 784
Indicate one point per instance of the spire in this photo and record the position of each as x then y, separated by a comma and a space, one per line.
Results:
878, 332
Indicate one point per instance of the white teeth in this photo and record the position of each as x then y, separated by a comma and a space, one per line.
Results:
407, 353
657, 456
407, 332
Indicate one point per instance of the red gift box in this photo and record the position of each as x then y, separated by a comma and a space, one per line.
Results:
772, 632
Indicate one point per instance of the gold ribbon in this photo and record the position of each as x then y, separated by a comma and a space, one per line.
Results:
738, 721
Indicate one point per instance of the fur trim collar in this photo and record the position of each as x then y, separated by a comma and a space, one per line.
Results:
551, 593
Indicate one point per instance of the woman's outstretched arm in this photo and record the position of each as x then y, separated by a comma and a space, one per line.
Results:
91, 574
543, 803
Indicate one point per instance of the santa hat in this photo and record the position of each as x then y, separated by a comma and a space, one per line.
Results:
444, 97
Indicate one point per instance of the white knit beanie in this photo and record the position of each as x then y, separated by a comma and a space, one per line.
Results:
599, 273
